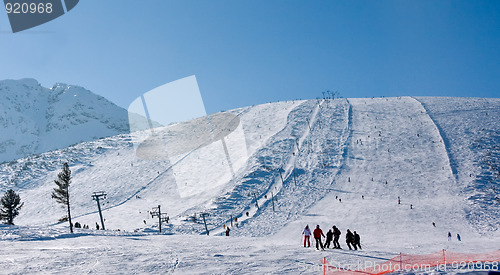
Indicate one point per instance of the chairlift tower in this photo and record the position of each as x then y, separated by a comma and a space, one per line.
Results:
254, 195
98, 196
162, 217
203, 215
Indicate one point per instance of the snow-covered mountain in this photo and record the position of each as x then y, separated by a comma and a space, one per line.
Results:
35, 119
326, 162
313, 145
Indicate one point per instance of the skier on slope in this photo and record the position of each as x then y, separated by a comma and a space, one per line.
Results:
317, 237
357, 241
349, 239
307, 236
329, 238
336, 234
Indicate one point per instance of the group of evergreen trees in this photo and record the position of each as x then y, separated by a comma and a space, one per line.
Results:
11, 201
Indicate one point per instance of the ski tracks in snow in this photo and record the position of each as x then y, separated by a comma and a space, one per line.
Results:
278, 180
309, 171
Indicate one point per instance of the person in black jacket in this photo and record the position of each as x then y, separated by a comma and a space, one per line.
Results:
357, 241
349, 238
329, 238
336, 234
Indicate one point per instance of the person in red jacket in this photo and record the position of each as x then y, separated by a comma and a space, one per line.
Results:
317, 233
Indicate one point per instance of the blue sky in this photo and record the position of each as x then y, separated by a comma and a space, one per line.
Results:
252, 52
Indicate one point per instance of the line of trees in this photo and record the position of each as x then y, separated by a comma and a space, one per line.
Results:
11, 201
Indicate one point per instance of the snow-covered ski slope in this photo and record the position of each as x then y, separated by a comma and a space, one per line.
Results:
395, 150
471, 131
133, 185
438, 155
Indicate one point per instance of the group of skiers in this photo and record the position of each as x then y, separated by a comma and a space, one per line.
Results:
333, 235
79, 225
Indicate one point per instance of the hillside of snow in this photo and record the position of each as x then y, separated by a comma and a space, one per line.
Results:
470, 129
341, 162
35, 119
396, 150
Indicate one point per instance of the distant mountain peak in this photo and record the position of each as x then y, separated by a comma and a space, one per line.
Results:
35, 119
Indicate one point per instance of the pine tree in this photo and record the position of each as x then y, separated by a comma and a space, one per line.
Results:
11, 204
61, 193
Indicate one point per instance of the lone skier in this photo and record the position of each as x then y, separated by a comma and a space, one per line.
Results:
317, 237
307, 236
227, 231
449, 236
